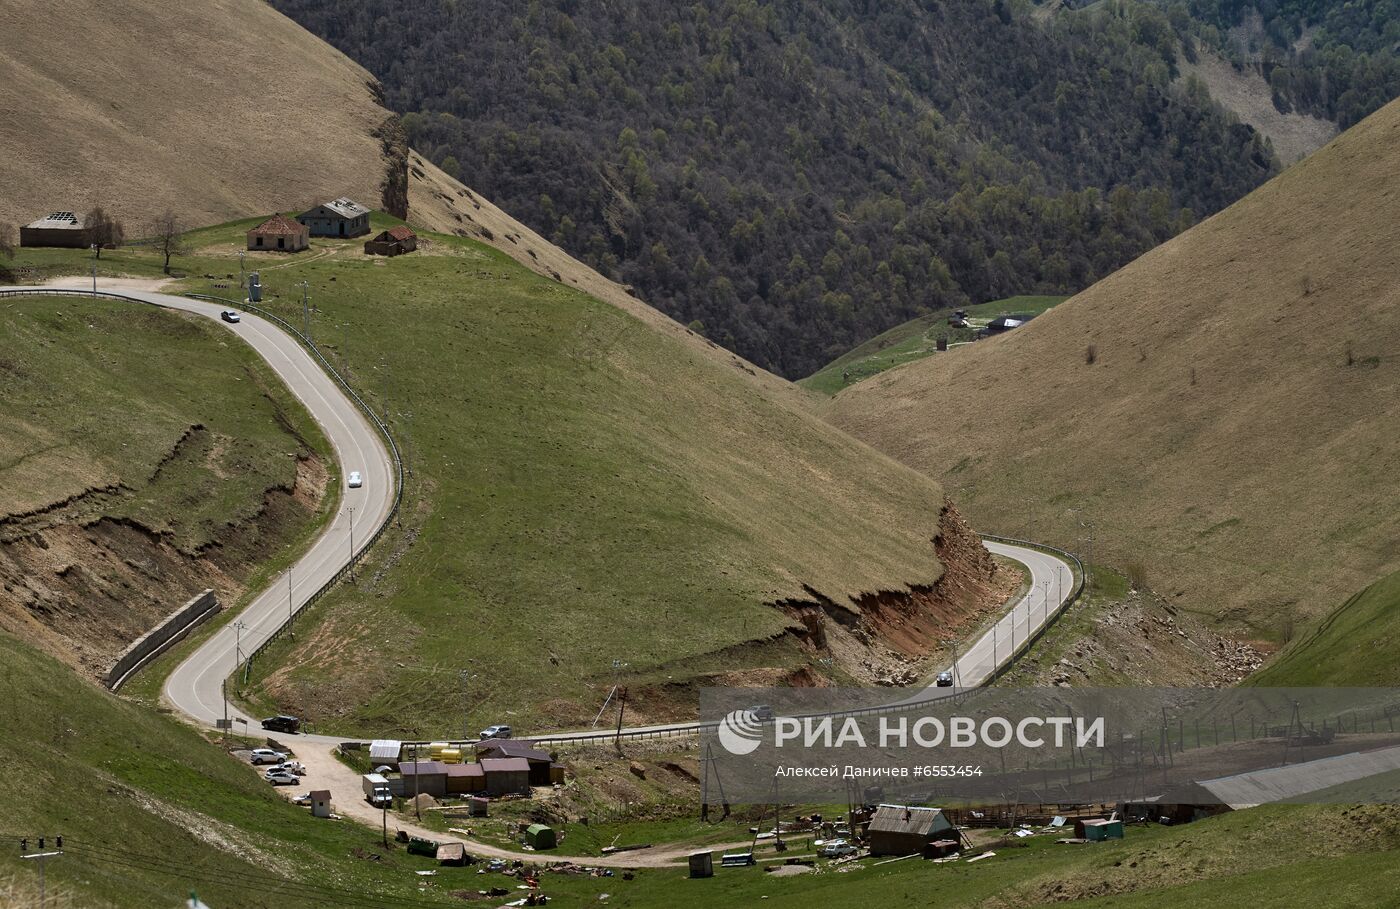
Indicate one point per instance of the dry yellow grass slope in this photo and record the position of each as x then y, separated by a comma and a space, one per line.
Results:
1236, 431
221, 110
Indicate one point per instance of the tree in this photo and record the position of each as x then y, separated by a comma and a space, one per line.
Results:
167, 236
104, 231
7, 240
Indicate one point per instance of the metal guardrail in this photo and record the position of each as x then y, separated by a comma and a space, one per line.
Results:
374, 419
694, 728
310, 345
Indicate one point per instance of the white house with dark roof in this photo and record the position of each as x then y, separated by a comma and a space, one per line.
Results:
337, 218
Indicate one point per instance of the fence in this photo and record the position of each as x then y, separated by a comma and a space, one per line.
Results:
374, 419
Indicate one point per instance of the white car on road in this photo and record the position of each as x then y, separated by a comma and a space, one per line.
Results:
355, 481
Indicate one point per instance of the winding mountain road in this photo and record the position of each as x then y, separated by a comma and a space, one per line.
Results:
195, 687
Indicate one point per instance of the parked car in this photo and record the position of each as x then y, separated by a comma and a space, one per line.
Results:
355, 481
762, 712
282, 723
945, 679
230, 316
281, 778
496, 732
837, 849
267, 756
296, 768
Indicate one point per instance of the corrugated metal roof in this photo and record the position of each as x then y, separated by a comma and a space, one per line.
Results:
58, 220
499, 765
465, 770
1277, 784
905, 819
402, 232
385, 750
348, 208
908, 819
421, 768
512, 748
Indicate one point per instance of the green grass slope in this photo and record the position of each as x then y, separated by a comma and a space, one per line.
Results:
1222, 411
584, 488
147, 455
1355, 645
148, 810
914, 340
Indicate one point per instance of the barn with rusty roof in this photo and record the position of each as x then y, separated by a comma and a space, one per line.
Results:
392, 242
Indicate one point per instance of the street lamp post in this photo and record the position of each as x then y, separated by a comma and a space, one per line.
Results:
352, 543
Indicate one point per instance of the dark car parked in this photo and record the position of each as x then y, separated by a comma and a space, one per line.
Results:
282, 723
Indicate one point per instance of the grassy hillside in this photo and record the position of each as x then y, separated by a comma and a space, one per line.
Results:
914, 340
1354, 645
148, 810
584, 488
1222, 411
147, 455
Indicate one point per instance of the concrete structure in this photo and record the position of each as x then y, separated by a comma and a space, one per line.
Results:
279, 234
159, 639
60, 228
540, 763
337, 218
321, 803
464, 778
431, 778
392, 242
506, 776
906, 830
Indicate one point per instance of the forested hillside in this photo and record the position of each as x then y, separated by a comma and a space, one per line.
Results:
793, 177
1333, 58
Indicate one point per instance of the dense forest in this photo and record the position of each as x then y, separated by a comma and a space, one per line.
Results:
1333, 58
791, 177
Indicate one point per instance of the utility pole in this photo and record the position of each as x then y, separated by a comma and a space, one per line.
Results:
242, 279
621, 707
466, 721
94, 269
290, 611
223, 690
238, 627
417, 811
352, 544
305, 309
42, 856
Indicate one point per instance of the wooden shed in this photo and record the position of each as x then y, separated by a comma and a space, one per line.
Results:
464, 778
505, 776
430, 776
540, 763
907, 830
320, 803
392, 242
279, 234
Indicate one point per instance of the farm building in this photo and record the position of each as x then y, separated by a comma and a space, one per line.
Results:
385, 753
431, 777
464, 778
906, 830
60, 228
320, 803
280, 234
338, 218
392, 242
1006, 323
543, 770
505, 776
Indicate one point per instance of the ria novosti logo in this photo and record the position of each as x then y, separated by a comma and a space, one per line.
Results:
740, 732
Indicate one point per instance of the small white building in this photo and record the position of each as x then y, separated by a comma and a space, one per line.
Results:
320, 803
